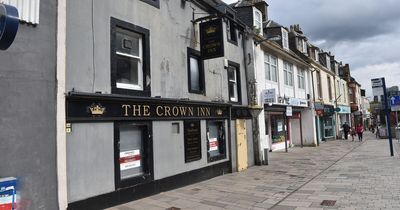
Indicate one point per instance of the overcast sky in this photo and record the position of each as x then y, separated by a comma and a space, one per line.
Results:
362, 33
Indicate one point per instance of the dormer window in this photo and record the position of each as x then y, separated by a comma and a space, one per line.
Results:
285, 39
258, 20
304, 46
316, 55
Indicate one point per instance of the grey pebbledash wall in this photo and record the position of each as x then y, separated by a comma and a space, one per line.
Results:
28, 111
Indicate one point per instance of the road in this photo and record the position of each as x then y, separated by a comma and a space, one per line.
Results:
340, 174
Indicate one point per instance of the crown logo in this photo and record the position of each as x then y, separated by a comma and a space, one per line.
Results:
219, 112
97, 109
211, 29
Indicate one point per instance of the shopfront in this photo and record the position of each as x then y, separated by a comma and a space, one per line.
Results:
124, 148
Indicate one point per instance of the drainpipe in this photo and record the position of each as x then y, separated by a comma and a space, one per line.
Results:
313, 92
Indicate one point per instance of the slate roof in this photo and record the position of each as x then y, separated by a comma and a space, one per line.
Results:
247, 3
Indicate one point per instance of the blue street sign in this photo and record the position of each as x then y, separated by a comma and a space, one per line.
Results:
395, 101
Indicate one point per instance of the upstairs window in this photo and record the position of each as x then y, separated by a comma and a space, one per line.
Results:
155, 3
301, 79
130, 59
330, 88
233, 82
319, 85
258, 21
271, 66
304, 46
195, 72
285, 39
288, 73
231, 30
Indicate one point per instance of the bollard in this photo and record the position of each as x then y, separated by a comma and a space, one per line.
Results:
266, 156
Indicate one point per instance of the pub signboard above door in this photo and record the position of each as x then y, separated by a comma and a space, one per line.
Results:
94, 108
211, 39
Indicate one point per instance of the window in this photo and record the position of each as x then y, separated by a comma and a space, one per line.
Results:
195, 72
271, 66
216, 146
301, 78
133, 153
339, 94
328, 127
231, 33
319, 85
129, 59
304, 46
257, 21
233, 82
330, 88
288, 73
285, 39
155, 3
344, 94
316, 55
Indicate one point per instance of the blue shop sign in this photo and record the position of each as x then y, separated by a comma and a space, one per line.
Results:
9, 23
343, 110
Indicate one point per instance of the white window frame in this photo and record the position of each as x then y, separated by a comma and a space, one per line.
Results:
288, 73
139, 59
301, 79
285, 39
235, 98
258, 23
316, 52
268, 71
304, 45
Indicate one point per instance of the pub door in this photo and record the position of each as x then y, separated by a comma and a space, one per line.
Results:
241, 146
133, 153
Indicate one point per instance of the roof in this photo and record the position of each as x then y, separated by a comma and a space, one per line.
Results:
272, 24
247, 3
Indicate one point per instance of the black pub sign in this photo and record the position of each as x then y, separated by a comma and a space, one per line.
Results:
109, 109
211, 39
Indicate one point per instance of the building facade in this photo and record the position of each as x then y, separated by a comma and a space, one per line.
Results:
28, 104
148, 109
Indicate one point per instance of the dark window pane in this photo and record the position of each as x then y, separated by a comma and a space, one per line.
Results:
127, 70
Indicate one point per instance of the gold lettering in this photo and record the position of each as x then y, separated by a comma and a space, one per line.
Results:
167, 111
136, 110
183, 109
202, 111
175, 111
125, 107
208, 112
146, 110
190, 111
159, 111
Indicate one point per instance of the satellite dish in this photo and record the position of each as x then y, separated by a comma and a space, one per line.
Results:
9, 23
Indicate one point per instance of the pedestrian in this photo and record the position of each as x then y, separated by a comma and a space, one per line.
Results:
346, 129
360, 130
352, 133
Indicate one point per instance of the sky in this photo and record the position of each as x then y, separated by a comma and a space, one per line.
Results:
363, 33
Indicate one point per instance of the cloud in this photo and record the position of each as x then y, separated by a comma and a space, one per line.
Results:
364, 75
340, 20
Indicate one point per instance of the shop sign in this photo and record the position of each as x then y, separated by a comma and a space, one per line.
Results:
269, 95
211, 39
343, 110
9, 23
319, 112
328, 110
240, 113
129, 159
8, 193
101, 109
289, 111
192, 135
298, 102
318, 106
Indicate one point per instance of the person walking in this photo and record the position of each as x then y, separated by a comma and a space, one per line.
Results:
346, 129
360, 130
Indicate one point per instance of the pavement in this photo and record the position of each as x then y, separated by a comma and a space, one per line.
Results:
340, 174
